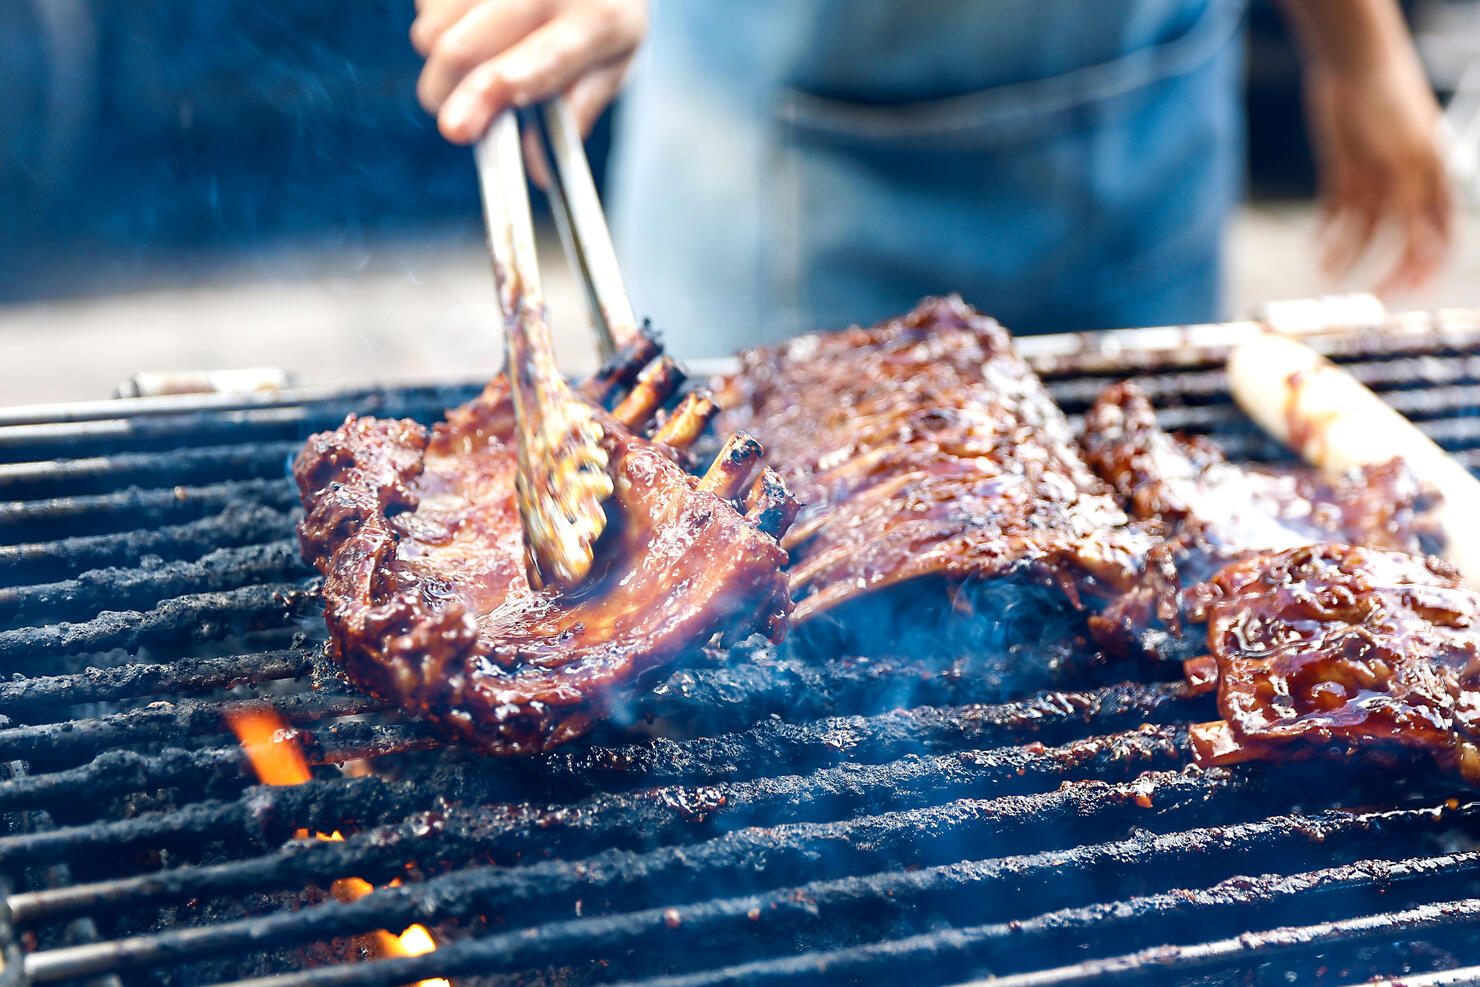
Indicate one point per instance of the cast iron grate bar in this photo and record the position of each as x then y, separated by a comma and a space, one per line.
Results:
1209, 387
194, 617
57, 743
209, 464
135, 508
774, 746
111, 436
665, 930
239, 523
1172, 960
150, 584
1108, 356
546, 891
79, 412
1465, 976
1440, 424
120, 772
180, 676
266, 816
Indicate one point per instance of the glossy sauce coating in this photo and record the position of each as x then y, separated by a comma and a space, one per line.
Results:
925, 446
1342, 646
427, 598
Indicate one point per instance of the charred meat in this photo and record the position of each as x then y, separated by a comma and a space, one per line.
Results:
428, 603
926, 451
1339, 647
1216, 511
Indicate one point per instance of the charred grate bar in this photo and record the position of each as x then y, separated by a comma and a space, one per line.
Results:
119, 588
240, 523
194, 616
650, 817
793, 821
189, 424
32, 526
731, 924
101, 474
773, 746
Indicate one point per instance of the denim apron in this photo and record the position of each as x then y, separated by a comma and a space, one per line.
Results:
788, 165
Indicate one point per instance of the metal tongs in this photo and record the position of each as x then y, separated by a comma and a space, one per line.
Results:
583, 229
562, 478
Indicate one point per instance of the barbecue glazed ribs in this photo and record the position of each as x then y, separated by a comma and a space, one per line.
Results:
924, 449
427, 598
1332, 646
1216, 511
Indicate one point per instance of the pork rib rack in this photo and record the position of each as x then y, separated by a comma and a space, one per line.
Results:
1335, 646
924, 447
427, 599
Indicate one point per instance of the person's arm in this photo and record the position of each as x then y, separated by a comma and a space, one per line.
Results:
484, 56
1374, 123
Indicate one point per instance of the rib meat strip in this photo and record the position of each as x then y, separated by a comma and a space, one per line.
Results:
1216, 511
1345, 648
427, 599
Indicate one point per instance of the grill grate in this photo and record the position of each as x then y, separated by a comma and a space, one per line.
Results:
794, 821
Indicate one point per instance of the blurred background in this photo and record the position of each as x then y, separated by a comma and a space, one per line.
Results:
225, 183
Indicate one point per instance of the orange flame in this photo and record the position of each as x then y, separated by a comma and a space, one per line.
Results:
269, 746
277, 759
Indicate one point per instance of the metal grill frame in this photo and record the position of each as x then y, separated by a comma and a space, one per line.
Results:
902, 827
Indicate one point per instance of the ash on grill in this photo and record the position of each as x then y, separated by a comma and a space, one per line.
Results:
834, 819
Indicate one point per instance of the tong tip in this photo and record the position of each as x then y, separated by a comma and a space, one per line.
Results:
561, 489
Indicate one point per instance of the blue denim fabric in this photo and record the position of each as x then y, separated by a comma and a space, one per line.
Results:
787, 165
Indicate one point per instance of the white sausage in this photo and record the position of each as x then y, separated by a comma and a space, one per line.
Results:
1335, 423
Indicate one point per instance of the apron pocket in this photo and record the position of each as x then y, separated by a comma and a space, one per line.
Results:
1019, 111
1045, 203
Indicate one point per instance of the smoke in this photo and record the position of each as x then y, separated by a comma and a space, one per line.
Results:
1013, 635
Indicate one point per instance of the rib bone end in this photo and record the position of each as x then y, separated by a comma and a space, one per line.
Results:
726, 476
770, 505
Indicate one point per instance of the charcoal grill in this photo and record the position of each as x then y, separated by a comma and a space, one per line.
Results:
786, 820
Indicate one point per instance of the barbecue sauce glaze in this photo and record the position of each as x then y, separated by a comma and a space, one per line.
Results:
427, 598
925, 450
1331, 645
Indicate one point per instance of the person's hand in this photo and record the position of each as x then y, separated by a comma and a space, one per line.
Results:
1381, 167
484, 56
